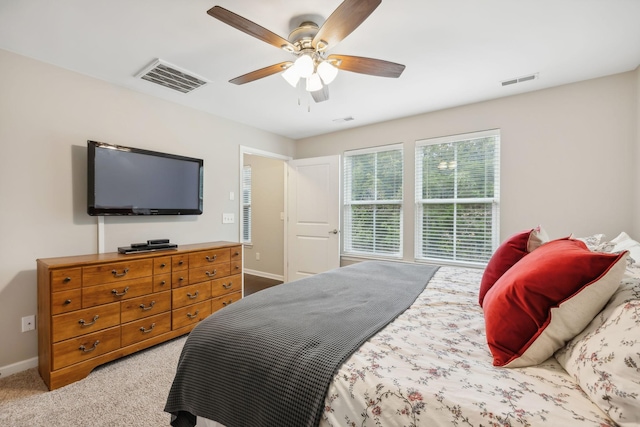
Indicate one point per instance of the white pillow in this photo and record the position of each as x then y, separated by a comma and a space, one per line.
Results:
604, 359
625, 243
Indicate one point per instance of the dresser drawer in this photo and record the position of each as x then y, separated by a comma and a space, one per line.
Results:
209, 272
226, 285
81, 322
190, 315
161, 282
146, 328
236, 267
76, 350
179, 262
62, 280
179, 278
65, 301
236, 254
162, 265
148, 305
116, 272
223, 301
206, 258
191, 294
110, 292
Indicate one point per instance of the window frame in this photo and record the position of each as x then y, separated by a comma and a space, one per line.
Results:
246, 205
420, 203
347, 248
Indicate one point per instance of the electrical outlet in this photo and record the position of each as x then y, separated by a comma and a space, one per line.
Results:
28, 323
257, 256
228, 218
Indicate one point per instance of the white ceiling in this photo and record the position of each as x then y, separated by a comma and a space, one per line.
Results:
455, 51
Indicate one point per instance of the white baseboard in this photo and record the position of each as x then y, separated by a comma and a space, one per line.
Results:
14, 368
263, 274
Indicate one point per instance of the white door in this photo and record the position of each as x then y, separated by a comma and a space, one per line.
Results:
313, 205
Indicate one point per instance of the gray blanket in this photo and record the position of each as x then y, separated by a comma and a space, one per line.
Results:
268, 359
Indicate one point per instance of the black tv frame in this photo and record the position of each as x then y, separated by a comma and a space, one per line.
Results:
94, 210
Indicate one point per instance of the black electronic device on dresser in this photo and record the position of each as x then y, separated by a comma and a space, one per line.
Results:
149, 246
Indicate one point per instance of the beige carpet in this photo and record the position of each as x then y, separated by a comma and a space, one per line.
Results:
128, 392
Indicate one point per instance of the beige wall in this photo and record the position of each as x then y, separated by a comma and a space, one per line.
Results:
46, 116
567, 154
636, 189
267, 203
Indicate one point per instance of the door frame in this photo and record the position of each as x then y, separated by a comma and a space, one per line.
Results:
262, 153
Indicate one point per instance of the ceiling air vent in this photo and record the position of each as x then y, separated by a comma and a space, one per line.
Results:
170, 76
520, 79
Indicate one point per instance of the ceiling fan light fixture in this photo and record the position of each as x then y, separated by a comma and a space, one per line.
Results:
314, 83
327, 72
304, 66
291, 75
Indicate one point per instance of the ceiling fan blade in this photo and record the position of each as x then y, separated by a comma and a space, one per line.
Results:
346, 18
321, 95
262, 72
374, 67
249, 27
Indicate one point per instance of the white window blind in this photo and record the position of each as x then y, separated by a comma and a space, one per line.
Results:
246, 204
373, 201
457, 197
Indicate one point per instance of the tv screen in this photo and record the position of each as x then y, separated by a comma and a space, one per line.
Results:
132, 181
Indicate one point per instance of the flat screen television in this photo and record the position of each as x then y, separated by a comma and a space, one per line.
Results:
132, 181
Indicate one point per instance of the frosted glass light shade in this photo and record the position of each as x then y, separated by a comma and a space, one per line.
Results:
304, 66
314, 83
327, 72
291, 75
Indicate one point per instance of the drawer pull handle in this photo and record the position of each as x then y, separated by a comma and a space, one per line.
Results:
66, 279
164, 282
181, 278
145, 308
227, 286
237, 253
237, 267
180, 262
84, 323
116, 274
211, 274
194, 296
163, 265
211, 259
193, 316
116, 293
227, 302
85, 350
67, 302
146, 331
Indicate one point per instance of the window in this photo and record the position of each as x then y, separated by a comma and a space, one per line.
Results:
246, 204
457, 197
373, 201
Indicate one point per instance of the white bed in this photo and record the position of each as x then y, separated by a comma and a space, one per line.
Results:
432, 367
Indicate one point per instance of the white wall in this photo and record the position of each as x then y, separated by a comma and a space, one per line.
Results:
46, 116
567, 153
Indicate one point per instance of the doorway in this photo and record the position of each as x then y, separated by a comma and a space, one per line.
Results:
262, 217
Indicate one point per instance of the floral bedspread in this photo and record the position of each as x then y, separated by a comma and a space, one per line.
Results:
432, 367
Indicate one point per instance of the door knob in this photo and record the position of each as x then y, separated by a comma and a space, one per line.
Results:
334, 231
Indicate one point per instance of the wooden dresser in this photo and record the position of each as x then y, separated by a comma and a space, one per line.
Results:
93, 309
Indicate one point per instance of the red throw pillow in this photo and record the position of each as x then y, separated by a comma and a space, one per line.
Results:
546, 299
508, 253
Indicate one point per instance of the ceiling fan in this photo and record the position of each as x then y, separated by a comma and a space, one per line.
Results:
310, 43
